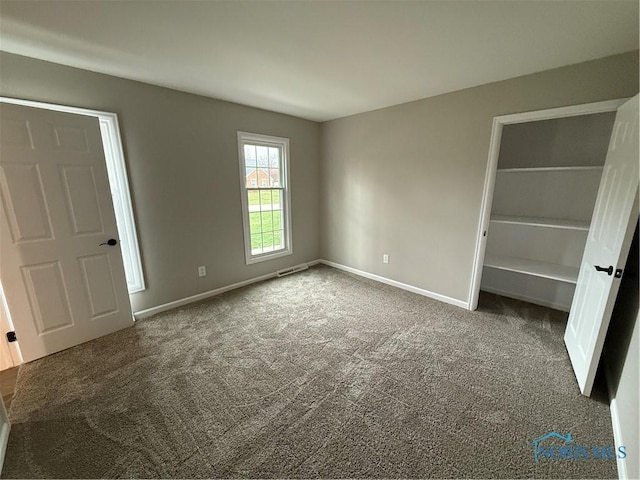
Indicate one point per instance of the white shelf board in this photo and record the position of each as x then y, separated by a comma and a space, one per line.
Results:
549, 169
542, 222
552, 271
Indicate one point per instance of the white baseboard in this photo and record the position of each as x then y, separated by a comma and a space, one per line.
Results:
617, 438
212, 293
615, 423
204, 295
524, 298
394, 283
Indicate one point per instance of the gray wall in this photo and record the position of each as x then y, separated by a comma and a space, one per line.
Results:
182, 161
621, 356
561, 142
407, 180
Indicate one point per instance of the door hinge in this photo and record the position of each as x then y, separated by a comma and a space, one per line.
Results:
11, 337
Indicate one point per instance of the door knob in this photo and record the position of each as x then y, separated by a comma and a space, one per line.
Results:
112, 242
608, 269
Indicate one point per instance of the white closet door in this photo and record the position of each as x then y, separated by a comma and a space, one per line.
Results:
64, 281
612, 226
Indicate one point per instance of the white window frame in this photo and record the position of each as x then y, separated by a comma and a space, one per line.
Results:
267, 141
118, 183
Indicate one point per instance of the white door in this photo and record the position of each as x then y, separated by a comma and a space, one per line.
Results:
612, 226
64, 284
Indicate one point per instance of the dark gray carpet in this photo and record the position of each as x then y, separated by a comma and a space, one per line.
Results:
319, 374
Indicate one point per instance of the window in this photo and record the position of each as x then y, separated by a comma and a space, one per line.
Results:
118, 183
265, 209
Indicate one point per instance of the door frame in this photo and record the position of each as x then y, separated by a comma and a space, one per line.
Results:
11, 351
492, 166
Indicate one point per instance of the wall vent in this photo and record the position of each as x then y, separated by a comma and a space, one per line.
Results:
295, 269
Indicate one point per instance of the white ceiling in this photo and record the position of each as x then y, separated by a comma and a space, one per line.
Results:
318, 59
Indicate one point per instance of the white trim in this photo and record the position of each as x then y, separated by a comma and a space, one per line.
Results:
395, 283
4, 433
491, 170
563, 112
7, 326
485, 214
200, 296
550, 169
563, 224
204, 295
118, 181
615, 423
617, 438
212, 293
555, 305
283, 144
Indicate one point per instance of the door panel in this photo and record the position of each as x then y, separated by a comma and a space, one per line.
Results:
16, 133
70, 138
47, 296
99, 287
61, 285
614, 219
23, 197
84, 209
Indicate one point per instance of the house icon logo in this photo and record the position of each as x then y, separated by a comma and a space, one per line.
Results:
538, 442
555, 446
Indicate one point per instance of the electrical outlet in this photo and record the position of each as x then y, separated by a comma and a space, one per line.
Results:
202, 271
385, 258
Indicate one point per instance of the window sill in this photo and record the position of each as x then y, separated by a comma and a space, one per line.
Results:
268, 256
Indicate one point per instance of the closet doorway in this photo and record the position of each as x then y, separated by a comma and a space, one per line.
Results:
524, 206
542, 184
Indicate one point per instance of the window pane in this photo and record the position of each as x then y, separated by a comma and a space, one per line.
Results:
256, 243
267, 241
255, 226
277, 220
250, 155
274, 157
267, 221
276, 199
253, 197
265, 200
251, 176
262, 156
274, 176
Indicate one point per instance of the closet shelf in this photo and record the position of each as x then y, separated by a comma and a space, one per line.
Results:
542, 222
552, 271
549, 169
